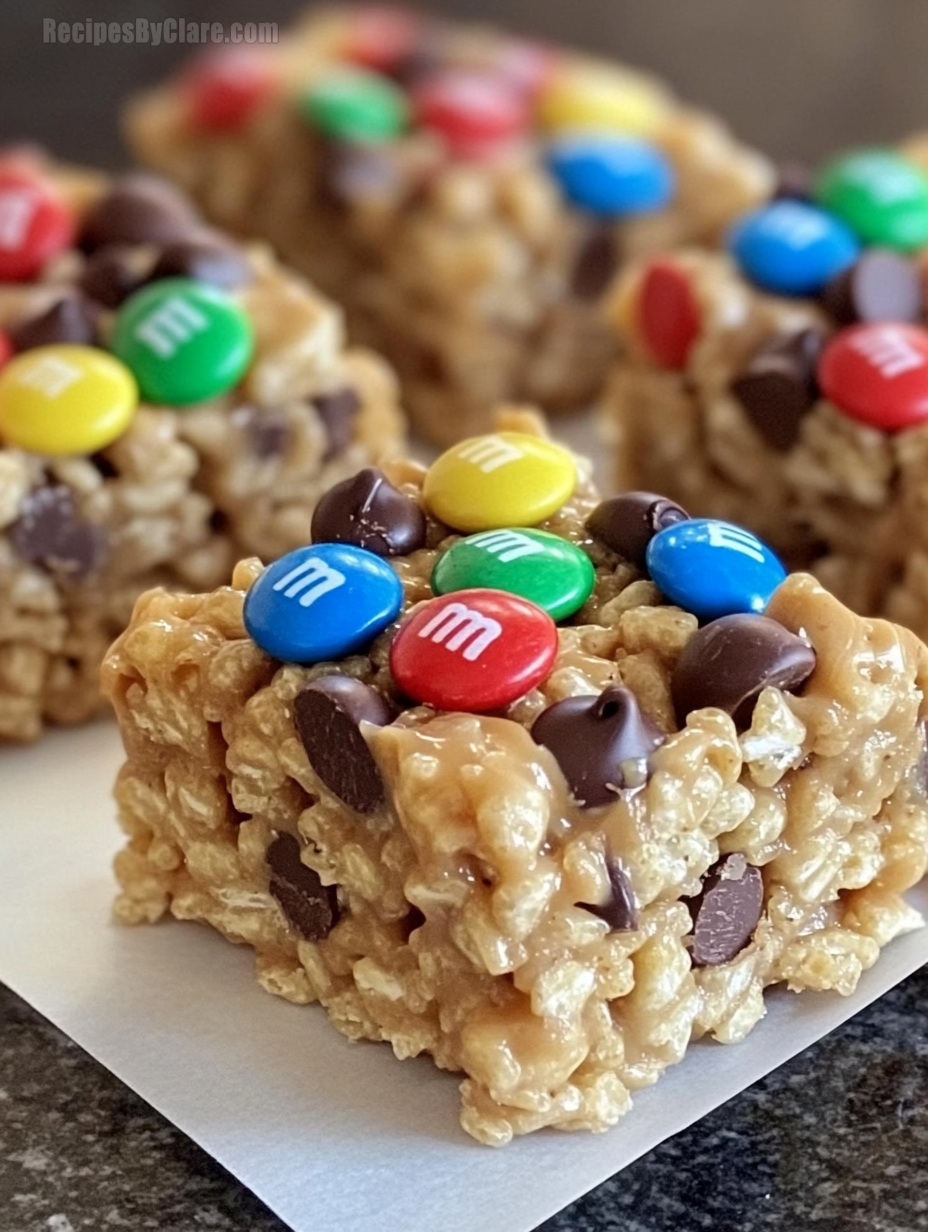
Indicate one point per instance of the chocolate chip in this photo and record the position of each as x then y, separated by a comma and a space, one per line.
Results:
337, 412
794, 182
268, 431
68, 320
729, 661
110, 276
629, 522
49, 533
600, 743
595, 264
138, 209
880, 286
327, 714
311, 907
206, 258
620, 911
368, 511
726, 911
778, 386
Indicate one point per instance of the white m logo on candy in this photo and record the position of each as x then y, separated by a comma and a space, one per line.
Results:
508, 545
51, 376
489, 453
889, 351
313, 574
17, 207
738, 540
456, 624
170, 326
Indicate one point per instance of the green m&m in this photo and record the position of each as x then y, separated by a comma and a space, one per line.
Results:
882, 196
548, 570
355, 105
184, 341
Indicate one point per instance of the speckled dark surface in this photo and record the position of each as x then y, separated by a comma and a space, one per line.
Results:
836, 1141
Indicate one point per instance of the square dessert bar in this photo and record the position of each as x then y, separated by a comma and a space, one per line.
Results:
466, 195
784, 384
169, 400
459, 771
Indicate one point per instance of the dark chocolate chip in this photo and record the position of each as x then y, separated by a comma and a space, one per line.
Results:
49, 533
726, 911
138, 209
729, 661
337, 412
368, 511
206, 258
629, 522
620, 911
110, 276
794, 182
595, 264
327, 714
778, 386
880, 286
311, 907
68, 320
601, 744
268, 431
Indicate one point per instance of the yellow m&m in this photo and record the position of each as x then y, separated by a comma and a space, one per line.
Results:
65, 399
593, 98
502, 479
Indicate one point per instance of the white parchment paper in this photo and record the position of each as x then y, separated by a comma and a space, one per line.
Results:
329, 1134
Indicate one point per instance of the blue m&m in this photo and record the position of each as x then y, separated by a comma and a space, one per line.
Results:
791, 247
612, 175
713, 568
322, 602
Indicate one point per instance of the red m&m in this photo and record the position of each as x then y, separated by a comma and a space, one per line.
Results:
226, 88
473, 650
474, 111
36, 224
878, 374
381, 37
667, 313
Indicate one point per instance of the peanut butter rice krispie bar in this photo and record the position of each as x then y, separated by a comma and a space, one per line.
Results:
549, 854
169, 400
466, 195
784, 384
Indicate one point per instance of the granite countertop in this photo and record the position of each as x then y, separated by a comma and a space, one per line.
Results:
835, 1141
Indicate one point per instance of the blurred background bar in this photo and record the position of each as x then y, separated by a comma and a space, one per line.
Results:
798, 78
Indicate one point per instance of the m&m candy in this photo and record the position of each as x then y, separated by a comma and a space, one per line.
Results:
380, 37
713, 568
226, 88
498, 480
321, 602
791, 247
667, 314
65, 399
36, 224
184, 340
474, 111
586, 97
878, 374
548, 570
881, 196
612, 175
352, 104
473, 650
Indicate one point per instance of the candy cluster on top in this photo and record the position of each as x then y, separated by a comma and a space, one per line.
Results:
394, 73
500, 583
851, 239
151, 316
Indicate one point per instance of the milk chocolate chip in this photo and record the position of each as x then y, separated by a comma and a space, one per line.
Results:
726, 911
368, 511
600, 743
50, 533
69, 320
620, 911
729, 661
778, 386
327, 714
110, 276
881, 285
207, 258
311, 907
337, 411
595, 264
138, 209
629, 522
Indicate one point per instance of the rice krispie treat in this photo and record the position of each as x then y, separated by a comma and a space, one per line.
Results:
168, 401
784, 385
464, 194
459, 771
